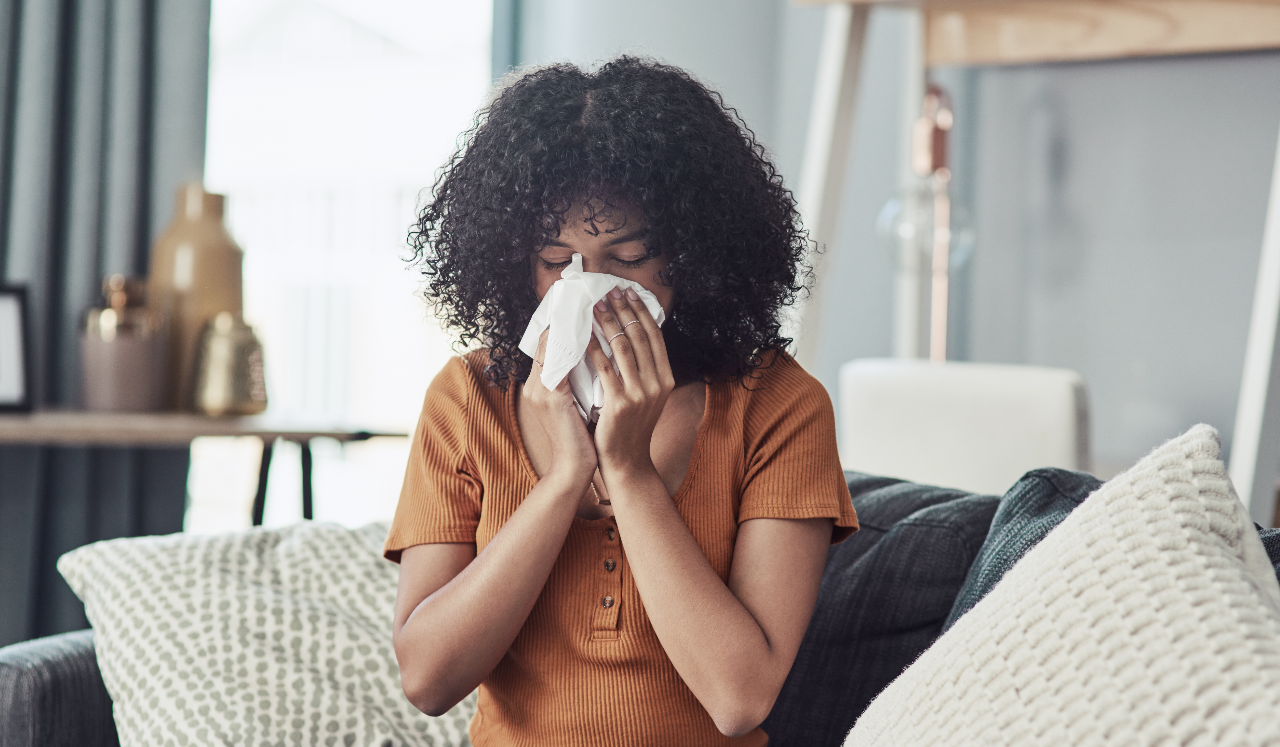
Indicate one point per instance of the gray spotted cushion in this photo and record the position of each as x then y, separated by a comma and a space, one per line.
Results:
263, 637
1149, 616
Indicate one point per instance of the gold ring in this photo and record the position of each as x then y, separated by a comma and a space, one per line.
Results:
620, 334
535, 360
628, 324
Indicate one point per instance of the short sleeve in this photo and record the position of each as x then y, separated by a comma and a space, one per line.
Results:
440, 499
792, 463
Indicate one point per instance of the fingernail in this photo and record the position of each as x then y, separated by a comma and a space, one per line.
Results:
616, 293
600, 305
633, 295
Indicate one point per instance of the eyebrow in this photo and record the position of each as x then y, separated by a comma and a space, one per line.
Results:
637, 234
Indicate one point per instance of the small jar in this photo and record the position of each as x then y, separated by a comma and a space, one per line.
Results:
229, 375
123, 350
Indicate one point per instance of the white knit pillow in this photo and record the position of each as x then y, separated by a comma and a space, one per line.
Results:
258, 637
1150, 616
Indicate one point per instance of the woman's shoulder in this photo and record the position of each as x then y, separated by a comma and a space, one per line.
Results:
465, 370
781, 384
462, 382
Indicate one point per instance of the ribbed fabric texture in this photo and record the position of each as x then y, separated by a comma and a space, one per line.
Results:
52, 695
581, 672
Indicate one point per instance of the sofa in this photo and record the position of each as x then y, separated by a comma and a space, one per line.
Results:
924, 557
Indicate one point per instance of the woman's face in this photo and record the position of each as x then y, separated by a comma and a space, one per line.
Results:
611, 241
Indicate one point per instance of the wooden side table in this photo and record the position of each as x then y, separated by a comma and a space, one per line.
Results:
78, 428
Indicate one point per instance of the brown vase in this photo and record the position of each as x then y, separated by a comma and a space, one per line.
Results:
195, 274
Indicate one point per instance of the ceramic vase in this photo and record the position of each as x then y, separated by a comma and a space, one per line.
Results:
122, 351
195, 275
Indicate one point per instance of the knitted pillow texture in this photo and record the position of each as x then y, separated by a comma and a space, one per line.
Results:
279, 637
1149, 616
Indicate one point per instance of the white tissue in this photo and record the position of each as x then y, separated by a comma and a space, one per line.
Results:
566, 309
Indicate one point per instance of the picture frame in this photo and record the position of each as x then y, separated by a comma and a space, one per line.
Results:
15, 350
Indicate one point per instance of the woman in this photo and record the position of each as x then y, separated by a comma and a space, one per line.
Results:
647, 580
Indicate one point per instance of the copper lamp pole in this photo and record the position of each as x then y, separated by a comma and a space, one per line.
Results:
929, 158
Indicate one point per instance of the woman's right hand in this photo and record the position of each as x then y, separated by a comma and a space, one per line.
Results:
572, 449
458, 610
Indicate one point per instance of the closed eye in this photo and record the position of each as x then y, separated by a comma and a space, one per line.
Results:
554, 265
632, 262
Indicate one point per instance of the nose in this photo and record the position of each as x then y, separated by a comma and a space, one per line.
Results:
591, 264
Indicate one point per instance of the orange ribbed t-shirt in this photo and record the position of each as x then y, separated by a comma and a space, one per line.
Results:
587, 668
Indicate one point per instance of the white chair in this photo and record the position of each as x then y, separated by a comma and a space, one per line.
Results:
973, 426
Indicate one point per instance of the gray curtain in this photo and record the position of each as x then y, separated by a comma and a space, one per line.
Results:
506, 37
102, 116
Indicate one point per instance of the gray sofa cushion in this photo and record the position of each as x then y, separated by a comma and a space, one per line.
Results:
885, 594
51, 694
1028, 512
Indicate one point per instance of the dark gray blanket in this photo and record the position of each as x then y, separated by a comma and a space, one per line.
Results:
886, 592
1028, 512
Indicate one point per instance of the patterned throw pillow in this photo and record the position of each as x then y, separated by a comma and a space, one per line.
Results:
1150, 616
279, 637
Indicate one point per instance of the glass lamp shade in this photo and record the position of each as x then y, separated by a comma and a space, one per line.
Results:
906, 220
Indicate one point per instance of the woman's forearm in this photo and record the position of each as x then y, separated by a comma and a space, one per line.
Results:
717, 645
455, 636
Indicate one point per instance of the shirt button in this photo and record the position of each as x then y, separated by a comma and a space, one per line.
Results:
607, 602
609, 565
611, 535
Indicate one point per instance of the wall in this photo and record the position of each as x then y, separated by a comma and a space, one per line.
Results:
728, 44
1119, 208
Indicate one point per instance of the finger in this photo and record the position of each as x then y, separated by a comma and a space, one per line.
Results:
657, 343
604, 369
636, 335
533, 389
617, 341
540, 362
539, 357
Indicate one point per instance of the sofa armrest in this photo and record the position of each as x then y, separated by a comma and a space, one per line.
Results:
51, 694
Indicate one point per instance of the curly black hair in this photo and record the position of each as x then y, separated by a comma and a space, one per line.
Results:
636, 131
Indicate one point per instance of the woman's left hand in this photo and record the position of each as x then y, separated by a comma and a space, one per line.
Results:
636, 393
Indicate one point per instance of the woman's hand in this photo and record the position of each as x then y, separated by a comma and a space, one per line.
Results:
634, 394
573, 454
457, 612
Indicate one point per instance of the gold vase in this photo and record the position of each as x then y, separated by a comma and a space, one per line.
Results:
229, 378
195, 275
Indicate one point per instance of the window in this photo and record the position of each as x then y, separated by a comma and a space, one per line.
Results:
328, 119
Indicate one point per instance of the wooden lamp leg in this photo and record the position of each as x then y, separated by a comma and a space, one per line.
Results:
1255, 445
